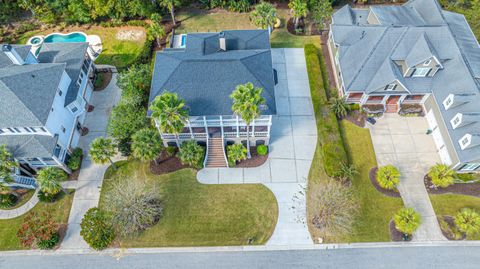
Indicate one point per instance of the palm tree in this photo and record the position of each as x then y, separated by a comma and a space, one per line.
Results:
299, 9
407, 220
441, 175
388, 177
102, 150
170, 113
156, 29
264, 15
191, 153
468, 221
236, 152
246, 104
339, 106
49, 180
7, 164
170, 5
146, 144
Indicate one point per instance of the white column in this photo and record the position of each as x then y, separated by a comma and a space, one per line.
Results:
364, 99
221, 125
190, 128
253, 128
205, 124
402, 98
238, 128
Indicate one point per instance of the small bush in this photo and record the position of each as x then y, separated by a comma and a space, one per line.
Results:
191, 153
354, 107
171, 150
96, 229
38, 230
8, 200
441, 175
388, 177
236, 153
48, 198
262, 150
466, 177
468, 221
407, 220
346, 173
75, 159
49, 243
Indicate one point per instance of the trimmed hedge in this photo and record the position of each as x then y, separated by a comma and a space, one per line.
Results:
329, 136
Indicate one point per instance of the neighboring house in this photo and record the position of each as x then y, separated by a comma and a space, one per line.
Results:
204, 69
386, 57
43, 102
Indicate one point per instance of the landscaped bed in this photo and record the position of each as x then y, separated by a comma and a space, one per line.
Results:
166, 163
22, 197
59, 209
471, 189
255, 161
373, 179
102, 80
195, 214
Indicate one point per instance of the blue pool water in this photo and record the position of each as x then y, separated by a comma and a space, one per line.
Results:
184, 40
73, 37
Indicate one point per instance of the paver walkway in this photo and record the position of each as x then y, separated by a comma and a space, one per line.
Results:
292, 146
403, 142
90, 179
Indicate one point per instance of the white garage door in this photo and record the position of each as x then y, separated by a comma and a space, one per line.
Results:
438, 139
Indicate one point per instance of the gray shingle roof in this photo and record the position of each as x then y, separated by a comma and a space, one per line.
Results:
22, 50
30, 146
205, 77
368, 55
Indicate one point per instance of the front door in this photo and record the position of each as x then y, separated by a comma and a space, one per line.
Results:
392, 103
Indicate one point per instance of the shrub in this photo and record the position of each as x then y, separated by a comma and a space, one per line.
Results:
466, 177
468, 221
337, 209
388, 177
97, 231
262, 150
75, 159
339, 106
7, 200
49, 180
191, 153
236, 153
48, 198
171, 150
347, 172
147, 144
38, 230
441, 175
354, 107
133, 205
407, 220
239, 5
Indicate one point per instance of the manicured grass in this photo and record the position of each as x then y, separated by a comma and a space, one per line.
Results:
200, 215
8, 228
450, 204
120, 53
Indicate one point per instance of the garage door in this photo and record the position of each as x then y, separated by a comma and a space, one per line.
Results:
438, 139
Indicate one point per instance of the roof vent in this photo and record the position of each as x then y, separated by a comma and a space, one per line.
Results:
223, 43
12, 54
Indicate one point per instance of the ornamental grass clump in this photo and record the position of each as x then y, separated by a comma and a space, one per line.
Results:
441, 175
388, 177
468, 221
407, 220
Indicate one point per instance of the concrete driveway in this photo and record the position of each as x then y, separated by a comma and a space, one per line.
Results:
403, 142
292, 146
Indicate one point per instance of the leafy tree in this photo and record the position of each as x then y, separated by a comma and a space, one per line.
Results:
9, 9
191, 153
41, 9
321, 11
407, 220
246, 104
299, 9
135, 84
339, 107
39, 230
468, 221
7, 165
125, 120
236, 153
170, 5
102, 151
147, 144
49, 180
441, 175
388, 177
156, 29
335, 210
97, 230
133, 206
264, 15
77, 11
170, 113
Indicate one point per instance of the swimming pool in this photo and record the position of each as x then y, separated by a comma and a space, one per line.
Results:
63, 38
184, 40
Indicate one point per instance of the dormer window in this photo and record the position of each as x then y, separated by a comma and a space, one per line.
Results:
447, 103
427, 62
421, 72
465, 141
391, 87
457, 119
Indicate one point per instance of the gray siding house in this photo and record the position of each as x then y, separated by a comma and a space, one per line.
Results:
386, 57
204, 69
43, 102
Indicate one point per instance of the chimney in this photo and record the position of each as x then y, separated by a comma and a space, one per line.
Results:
223, 43
12, 54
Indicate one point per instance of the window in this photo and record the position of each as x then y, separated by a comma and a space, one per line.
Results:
456, 121
465, 141
43, 129
421, 72
1, 131
470, 167
59, 92
80, 78
448, 101
27, 129
391, 87
63, 129
337, 57
427, 62
74, 109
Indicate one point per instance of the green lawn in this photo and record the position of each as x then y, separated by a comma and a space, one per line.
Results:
200, 215
450, 204
8, 228
120, 53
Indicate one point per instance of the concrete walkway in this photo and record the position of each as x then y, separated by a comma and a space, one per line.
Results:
13, 213
90, 179
403, 142
292, 146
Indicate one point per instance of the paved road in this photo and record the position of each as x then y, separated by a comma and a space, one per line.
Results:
390, 257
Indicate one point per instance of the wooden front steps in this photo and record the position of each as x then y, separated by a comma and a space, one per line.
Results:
392, 108
216, 157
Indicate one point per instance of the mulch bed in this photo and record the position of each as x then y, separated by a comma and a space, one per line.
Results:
396, 235
107, 77
166, 164
74, 175
62, 231
472, 189
373, 179
450, 221
356, 117
255, 161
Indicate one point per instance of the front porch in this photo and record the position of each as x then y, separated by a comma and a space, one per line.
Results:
386, 103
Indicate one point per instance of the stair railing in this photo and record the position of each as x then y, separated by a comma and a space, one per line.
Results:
206, 153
